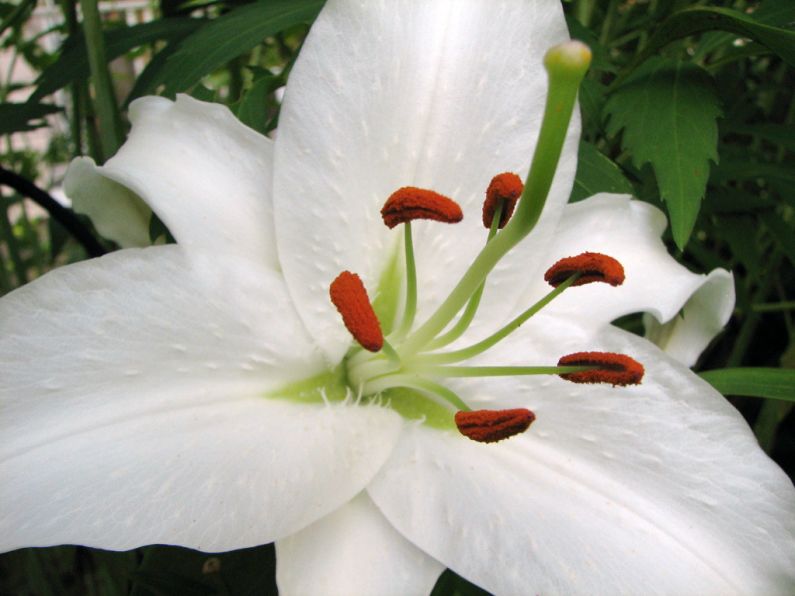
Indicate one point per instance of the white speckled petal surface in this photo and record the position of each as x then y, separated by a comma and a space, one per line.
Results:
656, 283
133, 408
206, 175
440, 95
654, 489
353, 551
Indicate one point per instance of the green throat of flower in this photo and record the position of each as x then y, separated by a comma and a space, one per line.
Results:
406, 369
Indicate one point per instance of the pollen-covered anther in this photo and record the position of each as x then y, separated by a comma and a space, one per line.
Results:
592, 267
616, 369
505, 189
349, 295
410, 203
490, 426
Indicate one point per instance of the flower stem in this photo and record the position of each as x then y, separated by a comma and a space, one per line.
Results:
107, 109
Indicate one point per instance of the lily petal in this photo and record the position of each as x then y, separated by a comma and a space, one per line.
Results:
659, 488
118, 433
414, 93
687, 335
209, 178
353, 551
655, 282
116, 212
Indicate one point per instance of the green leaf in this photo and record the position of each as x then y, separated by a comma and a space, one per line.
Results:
73, 64
231, 35
771, 383
697, 20
668, 111
252, 110
596, 173
15, 117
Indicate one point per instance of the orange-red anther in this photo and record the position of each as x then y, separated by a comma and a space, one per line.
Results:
592, 266
490, 426
616, 369
409, 203
505, 188
350, 297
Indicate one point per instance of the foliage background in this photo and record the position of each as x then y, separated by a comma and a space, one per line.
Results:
688, 105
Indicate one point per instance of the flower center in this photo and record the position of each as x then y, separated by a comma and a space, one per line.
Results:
406, 369
400, 368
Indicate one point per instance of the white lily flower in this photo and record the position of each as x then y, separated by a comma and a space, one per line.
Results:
161, 395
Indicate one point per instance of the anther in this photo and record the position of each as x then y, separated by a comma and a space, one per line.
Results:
350, 297
592, 267
505, 189
409, 203
616, 369
490, 426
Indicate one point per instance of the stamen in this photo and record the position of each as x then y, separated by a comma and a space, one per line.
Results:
504, 189
409, 203
490, 426
616, 369
592, 267
350, 297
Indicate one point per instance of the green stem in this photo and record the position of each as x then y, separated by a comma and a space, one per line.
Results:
566, 65
474, 302
410, 311
107, 110
76, 117
482, 346
501, 371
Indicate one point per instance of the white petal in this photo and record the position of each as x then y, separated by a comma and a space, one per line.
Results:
206, 175
655, 283
660, 488
440, 95
703, 316
353, 551
116, 212
220, 474
132, 408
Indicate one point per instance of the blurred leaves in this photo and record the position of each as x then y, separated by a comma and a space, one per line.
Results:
72, 63
698, 20
231, 35
16, 117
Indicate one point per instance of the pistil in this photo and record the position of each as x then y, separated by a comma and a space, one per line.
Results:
414, 362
